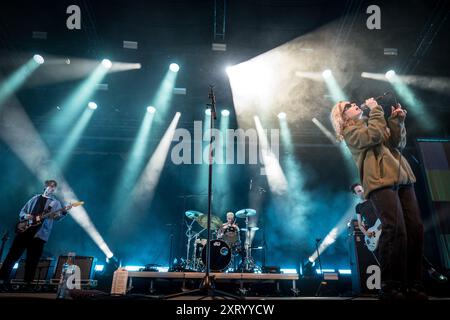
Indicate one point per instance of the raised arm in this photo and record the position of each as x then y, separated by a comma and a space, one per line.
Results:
361, 137
396, 124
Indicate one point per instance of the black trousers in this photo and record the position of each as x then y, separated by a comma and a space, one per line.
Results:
400, 246
23, 241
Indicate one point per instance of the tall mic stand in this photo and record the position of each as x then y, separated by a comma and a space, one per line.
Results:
322, 281
207, 284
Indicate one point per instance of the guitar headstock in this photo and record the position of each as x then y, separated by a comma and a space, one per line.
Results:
76, 204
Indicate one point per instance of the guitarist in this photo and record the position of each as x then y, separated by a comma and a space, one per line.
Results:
365, 211
34, 238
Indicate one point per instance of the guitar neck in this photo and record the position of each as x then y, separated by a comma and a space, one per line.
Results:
45, 215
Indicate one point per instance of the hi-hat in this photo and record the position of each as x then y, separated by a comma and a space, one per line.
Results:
191, 214
251, 229
216, 223
245, 213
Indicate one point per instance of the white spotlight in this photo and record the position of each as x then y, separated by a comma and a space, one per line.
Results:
38, 59
208, 112
106, 63
225, 113
92, 105
174, 67
228, 69
390, 74
282, 115
151, 109
327, 73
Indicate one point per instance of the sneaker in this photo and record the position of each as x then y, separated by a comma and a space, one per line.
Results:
416, 292
391, 294
391, 290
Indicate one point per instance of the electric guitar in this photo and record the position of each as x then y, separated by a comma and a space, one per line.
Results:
24, 225
372, 242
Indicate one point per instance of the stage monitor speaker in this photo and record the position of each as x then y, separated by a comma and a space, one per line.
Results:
270, 269
44, 270
86, 265
363, 263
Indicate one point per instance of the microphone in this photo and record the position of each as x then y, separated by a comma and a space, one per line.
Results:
364, 107
251, 182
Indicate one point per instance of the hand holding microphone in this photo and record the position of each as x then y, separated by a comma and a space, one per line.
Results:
372, 102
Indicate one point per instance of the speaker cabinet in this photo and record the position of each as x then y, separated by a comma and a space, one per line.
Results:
44, 270
86, 265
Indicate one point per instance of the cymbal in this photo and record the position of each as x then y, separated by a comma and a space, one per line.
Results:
245, 213
216, 223
191, 214
251, 229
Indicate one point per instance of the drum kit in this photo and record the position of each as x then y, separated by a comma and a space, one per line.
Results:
226, 246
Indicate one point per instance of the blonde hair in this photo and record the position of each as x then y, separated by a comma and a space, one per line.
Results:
337, 120
230, 214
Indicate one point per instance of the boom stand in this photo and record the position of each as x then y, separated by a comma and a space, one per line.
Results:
207, 285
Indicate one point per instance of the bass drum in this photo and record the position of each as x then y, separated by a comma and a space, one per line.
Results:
220, 255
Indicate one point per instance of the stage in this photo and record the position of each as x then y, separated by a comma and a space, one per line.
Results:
293, 150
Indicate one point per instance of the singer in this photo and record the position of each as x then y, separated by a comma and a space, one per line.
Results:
387, 178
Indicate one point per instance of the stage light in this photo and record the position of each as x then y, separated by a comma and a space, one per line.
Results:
345, 271
73, 137
106, 63
134, 268
99, 267
208, 112
13, 82
318, 271
327, 73
271, 165
282, 115
74, 104
225, 113
132, 169
144, 190
390, 74
38, 59
163, 96
291, 271
333, 86
162, 269
228, 69
92, 105
174, 67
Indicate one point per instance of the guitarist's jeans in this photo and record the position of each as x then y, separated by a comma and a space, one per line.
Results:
400, 246
23, 241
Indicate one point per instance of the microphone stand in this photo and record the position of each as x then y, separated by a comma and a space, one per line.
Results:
207, 284
322, 282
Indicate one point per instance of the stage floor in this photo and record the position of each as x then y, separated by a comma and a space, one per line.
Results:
52, 296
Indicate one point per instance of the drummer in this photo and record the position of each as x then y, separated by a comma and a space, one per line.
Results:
229, 231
